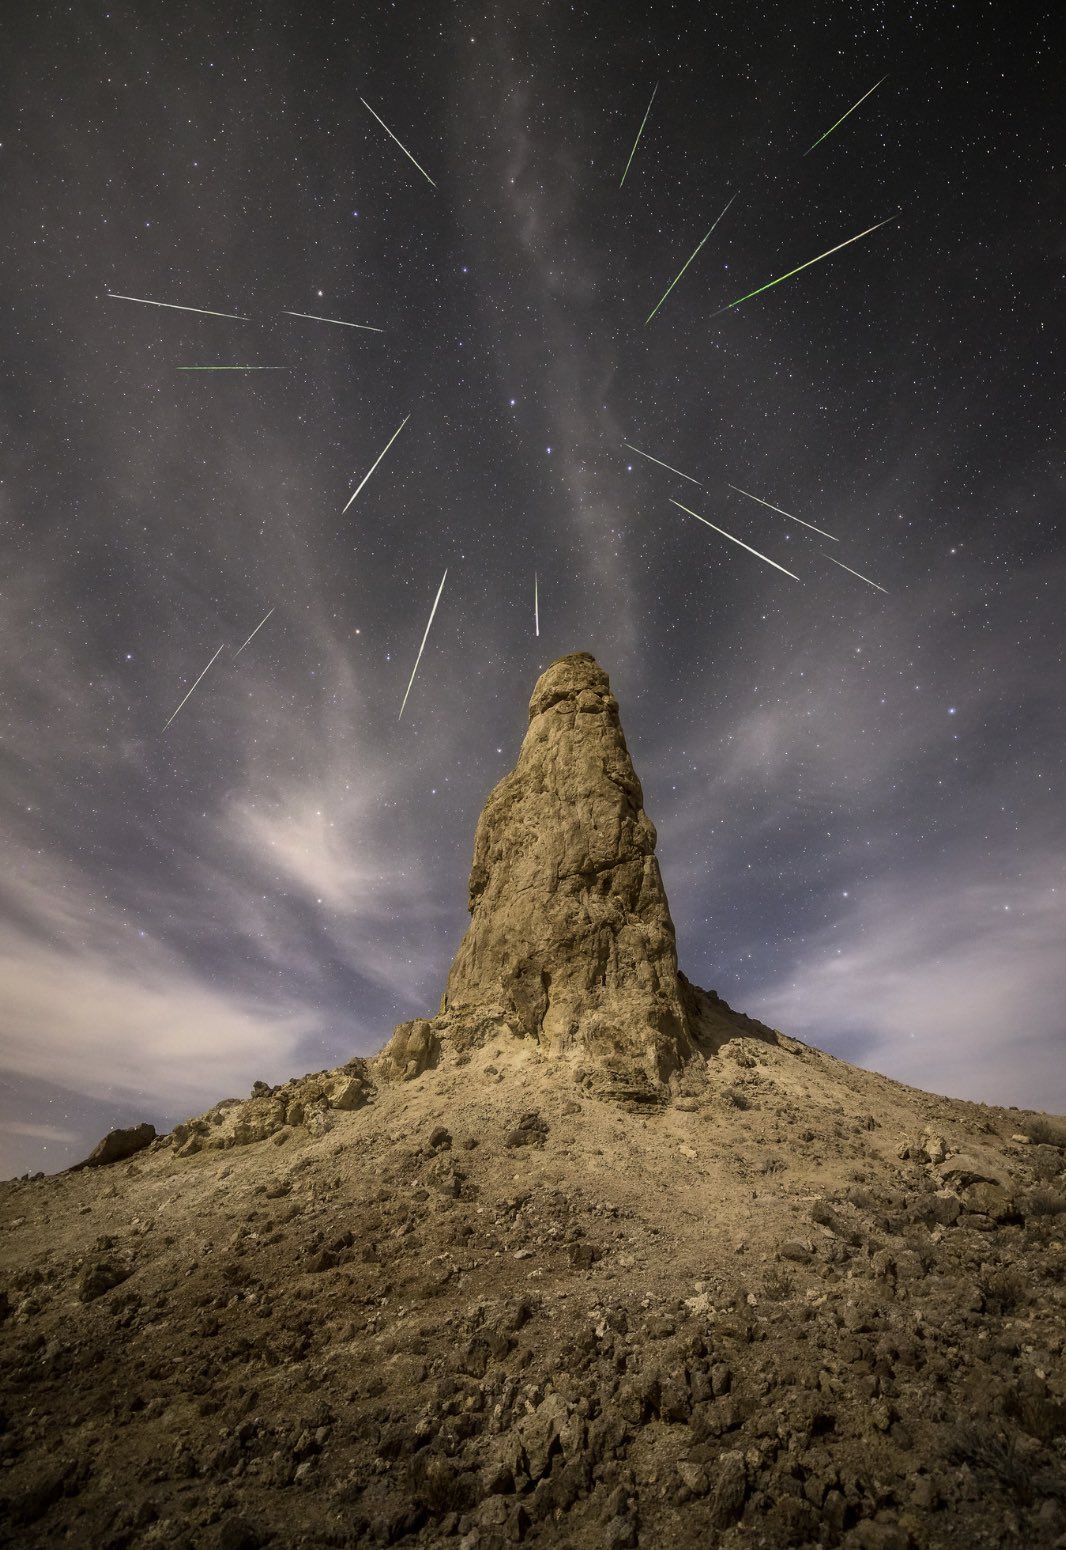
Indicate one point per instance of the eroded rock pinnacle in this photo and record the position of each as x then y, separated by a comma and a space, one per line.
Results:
570, 941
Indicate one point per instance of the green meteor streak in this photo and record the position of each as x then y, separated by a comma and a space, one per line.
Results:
640, 131
684, 266
771, 283
840, 120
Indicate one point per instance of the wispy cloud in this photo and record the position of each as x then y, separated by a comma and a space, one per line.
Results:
54, 1134
159, 1036
949, 985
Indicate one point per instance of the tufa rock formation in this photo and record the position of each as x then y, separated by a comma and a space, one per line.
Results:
447, 1299
570, 940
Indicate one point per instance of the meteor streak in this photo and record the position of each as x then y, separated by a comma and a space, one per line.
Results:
314, 317
640, 131
400, 143
258, 627
233, 368
425, 637
661, 464
175, 308
732, 539
851, 110
787, 514
771, 283
684, 266
536, 605
380, 455
193, 687
867, 580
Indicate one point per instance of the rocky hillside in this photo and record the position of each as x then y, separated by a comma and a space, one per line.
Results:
530, 1275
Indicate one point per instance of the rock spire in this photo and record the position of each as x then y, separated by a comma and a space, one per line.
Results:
570, 940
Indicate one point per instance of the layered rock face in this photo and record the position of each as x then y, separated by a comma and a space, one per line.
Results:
571, 941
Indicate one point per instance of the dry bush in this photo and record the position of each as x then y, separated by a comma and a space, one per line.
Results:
1044, 1202
993, 1456
1002, 1290
1045, 1131
778, 1285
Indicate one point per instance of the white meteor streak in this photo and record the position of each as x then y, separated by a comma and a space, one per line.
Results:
425, 637
204, 311
848, 568
400, 143
258, 627
783, 513
380, 455
739, 541
314, 317
193, 687
661, 464
536, 606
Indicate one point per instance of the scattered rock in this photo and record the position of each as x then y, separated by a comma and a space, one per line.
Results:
531, 1130
964, 1169
351, 1093
798, 1252
413, 1048
825, 1216
100, 1277
730, 1489
236, 1533
990, 1200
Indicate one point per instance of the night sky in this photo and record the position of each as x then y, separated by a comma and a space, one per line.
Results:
858, 792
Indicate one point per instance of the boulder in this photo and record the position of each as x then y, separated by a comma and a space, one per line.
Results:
965, 1168
117, 1145
413, 1048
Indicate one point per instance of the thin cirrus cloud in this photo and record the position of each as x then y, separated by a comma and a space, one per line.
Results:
951, 986
80, 1021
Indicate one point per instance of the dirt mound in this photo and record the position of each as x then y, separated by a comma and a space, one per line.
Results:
486, 1306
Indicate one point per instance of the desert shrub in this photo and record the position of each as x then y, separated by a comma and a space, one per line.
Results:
993, 1456
741, 1057
1046, 1163
778, 1285
437, 1484
1002, 1290
1044, 1202
1039, 1415
1045, 1131
736, 1099
774, 1165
